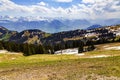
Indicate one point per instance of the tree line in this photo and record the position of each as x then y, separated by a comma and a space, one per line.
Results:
27, 49
83, 45
31, 49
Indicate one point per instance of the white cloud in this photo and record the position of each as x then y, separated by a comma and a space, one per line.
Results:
88, 1
63, 0
42, 4
88, 9
101, 8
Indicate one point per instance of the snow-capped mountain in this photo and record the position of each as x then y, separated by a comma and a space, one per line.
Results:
49, 24
42, 23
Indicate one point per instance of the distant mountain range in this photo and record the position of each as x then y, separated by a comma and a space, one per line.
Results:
51, 25
94, 26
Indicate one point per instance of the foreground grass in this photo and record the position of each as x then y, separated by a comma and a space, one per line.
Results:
17, 60
103, 52
62, 67
57, 67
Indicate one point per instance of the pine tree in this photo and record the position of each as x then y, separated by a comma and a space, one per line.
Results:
81, 47
92, 47
41, 49
25, 50
1, 46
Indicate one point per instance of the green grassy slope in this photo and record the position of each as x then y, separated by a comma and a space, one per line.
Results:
6, 37
61, 67
58, 66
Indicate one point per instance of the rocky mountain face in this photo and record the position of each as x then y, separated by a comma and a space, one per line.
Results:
35, 36
32, 36
64, 36
95, 33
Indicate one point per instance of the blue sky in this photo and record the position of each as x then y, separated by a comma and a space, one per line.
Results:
71, 9
50, 2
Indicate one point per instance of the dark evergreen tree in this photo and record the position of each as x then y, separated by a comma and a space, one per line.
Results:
1, 46
90, 45
25, 50
81, 47
40, 49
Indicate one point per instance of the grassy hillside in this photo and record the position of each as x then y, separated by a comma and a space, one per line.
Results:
6, 37
58, 67
62, 67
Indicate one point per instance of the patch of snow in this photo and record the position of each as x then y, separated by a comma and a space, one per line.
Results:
13, 53
7, 52
81, 54
3, 51
99, 56
105, 46
113, 48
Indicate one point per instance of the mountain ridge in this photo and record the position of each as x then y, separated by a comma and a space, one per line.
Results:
36, 36
54, 25
94, 26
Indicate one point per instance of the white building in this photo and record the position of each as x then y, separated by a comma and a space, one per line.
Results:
67, 51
